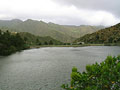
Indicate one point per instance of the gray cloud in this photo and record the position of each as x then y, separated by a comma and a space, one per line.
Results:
69, 12
112, 6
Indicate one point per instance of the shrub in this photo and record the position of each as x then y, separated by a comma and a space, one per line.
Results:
103, 76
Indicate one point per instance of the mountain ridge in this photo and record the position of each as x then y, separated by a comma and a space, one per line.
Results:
64, 33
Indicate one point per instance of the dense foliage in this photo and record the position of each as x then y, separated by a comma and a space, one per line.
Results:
104, 36
10, 43
103, 76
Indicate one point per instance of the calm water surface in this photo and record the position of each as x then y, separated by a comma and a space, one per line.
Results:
48, 68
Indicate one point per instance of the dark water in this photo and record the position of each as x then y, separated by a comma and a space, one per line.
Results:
48, 68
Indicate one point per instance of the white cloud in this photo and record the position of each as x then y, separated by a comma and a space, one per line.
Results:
53, 12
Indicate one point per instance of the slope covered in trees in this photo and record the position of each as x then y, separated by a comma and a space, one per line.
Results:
10, 43
62, 33
31, 39
104, 36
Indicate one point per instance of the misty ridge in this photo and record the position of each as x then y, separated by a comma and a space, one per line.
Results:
63, 33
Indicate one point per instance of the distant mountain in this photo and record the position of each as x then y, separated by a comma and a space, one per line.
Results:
107, 35
63, 33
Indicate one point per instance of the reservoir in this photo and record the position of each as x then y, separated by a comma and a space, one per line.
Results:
48, 68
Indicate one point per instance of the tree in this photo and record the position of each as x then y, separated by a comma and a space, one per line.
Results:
25, 39
40, 43
110, 39
46, 43
10, 43
37, 40
0, 32
51, 42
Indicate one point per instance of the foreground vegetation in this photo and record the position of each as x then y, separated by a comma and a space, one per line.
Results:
103, 76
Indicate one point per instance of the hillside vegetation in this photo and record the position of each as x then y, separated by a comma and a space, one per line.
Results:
107, 35
11, 42
31, 39
63, 33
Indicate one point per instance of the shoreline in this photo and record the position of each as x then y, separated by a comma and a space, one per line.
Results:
84, 45
66, 45
41, 46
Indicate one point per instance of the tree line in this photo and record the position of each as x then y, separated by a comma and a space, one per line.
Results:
10, 43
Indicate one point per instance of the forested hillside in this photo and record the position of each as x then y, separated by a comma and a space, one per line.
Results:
63, 33
11, 42
31, 39
107, 35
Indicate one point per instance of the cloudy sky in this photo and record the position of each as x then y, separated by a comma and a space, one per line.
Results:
67, 12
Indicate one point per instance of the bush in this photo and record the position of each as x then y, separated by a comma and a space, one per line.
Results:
103, 76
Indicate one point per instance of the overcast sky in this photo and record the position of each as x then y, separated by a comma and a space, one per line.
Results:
67, 12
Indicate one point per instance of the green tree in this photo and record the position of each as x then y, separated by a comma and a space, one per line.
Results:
51, 42
40, 43
25, 39
0, 32
10, 43
46, 43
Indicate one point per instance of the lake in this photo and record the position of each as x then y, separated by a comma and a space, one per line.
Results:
48, 68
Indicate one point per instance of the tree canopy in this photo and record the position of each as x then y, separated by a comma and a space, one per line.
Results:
10, 42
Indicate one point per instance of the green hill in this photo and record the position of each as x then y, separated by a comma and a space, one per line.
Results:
11, 42
104, 36
37, 40
63, 33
